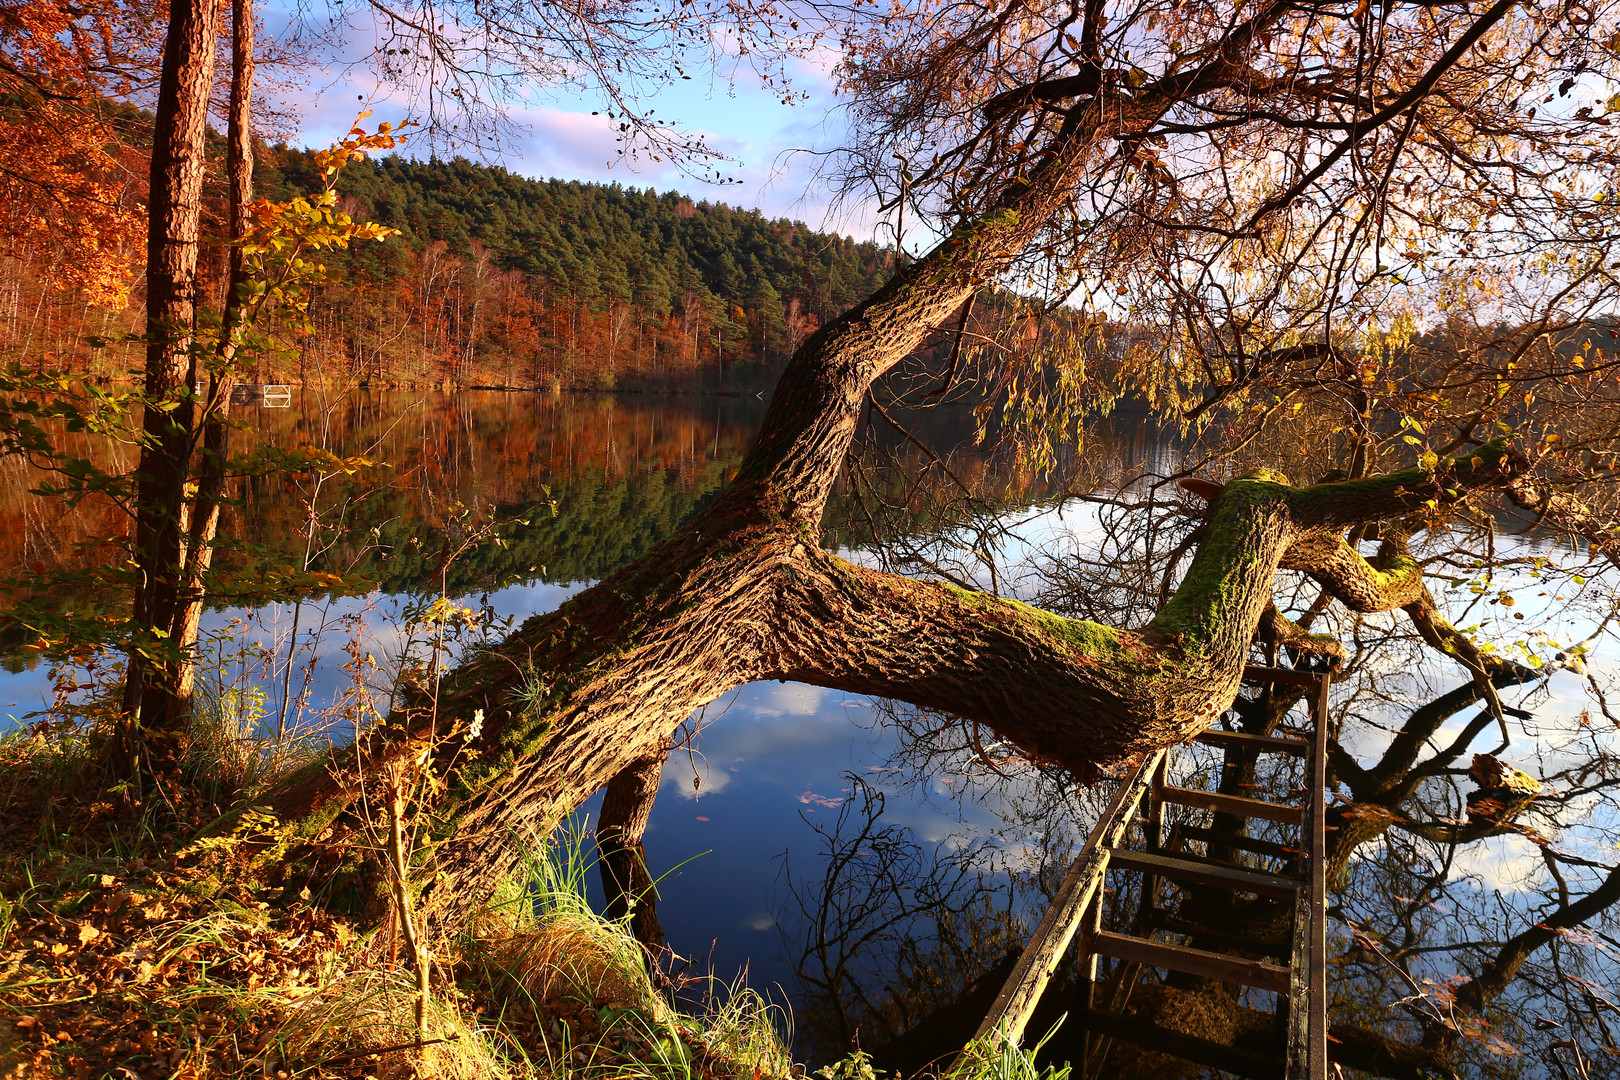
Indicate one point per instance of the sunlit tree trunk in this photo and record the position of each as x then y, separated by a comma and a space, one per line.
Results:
204, 512
153, 698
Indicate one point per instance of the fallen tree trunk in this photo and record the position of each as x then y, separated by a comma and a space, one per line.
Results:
744, 592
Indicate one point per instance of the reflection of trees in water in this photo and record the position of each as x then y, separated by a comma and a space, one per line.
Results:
889, 934
1473, 902
1477, 911
623, 473
1442, 964
884, 929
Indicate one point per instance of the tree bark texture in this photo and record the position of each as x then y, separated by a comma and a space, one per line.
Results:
174, 232
203, 518
745, 593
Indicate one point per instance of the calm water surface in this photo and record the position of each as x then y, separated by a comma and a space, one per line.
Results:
769, 779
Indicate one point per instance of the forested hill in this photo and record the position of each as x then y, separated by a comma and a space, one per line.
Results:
499, 279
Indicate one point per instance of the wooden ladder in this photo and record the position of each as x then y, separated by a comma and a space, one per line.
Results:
1077, 907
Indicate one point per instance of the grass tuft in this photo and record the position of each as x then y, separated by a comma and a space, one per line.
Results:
575, 999
368, 1017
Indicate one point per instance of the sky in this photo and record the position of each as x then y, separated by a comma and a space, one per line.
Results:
775, 150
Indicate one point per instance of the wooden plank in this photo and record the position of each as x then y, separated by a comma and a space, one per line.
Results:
1236, 805
1155, 801
1297, 1056
1307, 1057
1254, 673
1248, 942
1205, 965
1199, 872
1154, 831
1204, 1052
1232, 863
1016, 1002
1252, 844
1242, 740
1087, 990
1318, 889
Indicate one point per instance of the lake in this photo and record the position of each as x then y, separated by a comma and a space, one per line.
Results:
861, 862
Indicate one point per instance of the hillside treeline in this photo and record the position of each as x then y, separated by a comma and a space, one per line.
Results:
498, 278
501, 280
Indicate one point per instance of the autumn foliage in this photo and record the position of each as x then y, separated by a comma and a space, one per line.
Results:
69, 205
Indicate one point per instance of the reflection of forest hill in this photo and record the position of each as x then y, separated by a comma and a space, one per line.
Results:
622, 471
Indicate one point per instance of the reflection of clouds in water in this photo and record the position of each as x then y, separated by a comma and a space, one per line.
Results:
958, 811
947, 839
681, 769
772, 733
322, 636
320, 651
784, 699
786, 743
1024, 856
1503, 864
761, 922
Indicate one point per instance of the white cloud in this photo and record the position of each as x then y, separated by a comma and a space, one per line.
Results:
680, 771
795, 699
1504, 864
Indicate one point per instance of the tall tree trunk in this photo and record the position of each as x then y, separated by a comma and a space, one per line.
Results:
204, 513
156, 709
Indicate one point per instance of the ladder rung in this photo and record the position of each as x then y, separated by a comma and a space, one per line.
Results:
1205, 965
1242, 740
1251, 844
1231, 804
1187, 1047
1255, 673
1204, 873
1163, 920
1207, 859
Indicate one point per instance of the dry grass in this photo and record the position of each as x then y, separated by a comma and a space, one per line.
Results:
366, 1017
115, 961
573, 992
119, 957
